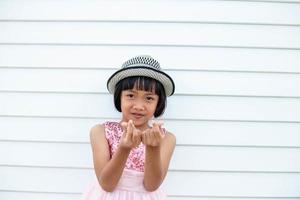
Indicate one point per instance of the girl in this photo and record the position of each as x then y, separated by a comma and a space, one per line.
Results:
131, 157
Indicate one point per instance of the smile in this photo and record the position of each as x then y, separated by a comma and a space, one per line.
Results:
137, 115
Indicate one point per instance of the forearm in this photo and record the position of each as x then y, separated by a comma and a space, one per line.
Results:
111, 173
153, 168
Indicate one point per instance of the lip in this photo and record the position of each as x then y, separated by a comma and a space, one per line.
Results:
137, 115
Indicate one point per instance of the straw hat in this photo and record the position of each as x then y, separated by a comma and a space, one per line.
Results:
142, 66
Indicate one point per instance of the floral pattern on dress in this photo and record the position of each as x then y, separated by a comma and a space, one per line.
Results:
136, 158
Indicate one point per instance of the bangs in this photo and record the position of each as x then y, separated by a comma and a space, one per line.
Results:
141, 83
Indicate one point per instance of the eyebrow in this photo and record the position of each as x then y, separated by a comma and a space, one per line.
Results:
147, 93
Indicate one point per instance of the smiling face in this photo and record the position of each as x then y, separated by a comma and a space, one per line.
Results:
139, 98
139, 106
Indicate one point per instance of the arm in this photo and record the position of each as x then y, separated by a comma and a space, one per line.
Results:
109, 171
158, 156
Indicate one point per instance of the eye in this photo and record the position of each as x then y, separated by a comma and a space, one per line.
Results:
130, 95
149, 98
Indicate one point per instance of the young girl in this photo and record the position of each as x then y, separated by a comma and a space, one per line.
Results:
131, 157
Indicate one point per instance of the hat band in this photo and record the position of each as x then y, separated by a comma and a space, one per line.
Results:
158, 75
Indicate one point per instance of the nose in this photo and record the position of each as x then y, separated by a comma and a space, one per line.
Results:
138, 105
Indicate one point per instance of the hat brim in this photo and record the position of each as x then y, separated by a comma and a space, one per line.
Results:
160, 76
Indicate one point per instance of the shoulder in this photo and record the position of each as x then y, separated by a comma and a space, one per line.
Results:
101, 127
99, 144
106, 130
97, 128
170, 138
97, 131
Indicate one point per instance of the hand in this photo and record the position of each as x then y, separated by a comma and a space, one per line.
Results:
153, 137
131, 137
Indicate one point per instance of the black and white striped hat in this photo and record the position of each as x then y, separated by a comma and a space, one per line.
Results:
142, 66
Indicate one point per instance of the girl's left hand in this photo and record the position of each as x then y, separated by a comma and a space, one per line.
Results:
153, 136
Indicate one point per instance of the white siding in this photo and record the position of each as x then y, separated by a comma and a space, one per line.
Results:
236, 111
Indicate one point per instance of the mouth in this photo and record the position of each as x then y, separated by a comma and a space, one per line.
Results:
137, 115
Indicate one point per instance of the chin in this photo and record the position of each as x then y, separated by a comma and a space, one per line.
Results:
138, 123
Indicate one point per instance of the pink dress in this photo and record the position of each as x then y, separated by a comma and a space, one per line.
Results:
130, 186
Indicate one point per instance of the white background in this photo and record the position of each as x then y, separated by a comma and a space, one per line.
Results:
236, 111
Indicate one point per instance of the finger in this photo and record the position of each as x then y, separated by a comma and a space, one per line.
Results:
124, 127
156, 135
151, 136
160, 134
156, 130
143, 136
160, 130
139, 136
130, 129
146, 136
156, 126
136, 136
158, 122
123, 124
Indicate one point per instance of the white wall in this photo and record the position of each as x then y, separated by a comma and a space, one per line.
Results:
236, 111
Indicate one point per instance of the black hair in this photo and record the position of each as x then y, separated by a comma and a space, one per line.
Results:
142, 83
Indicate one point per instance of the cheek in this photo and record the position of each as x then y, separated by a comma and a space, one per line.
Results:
125, 104
154, 106
122, 104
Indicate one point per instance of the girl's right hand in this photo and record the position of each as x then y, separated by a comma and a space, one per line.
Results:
131, 137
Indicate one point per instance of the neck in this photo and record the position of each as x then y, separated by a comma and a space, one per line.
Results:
143, 127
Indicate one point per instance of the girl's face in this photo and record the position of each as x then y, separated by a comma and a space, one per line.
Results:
139, 106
